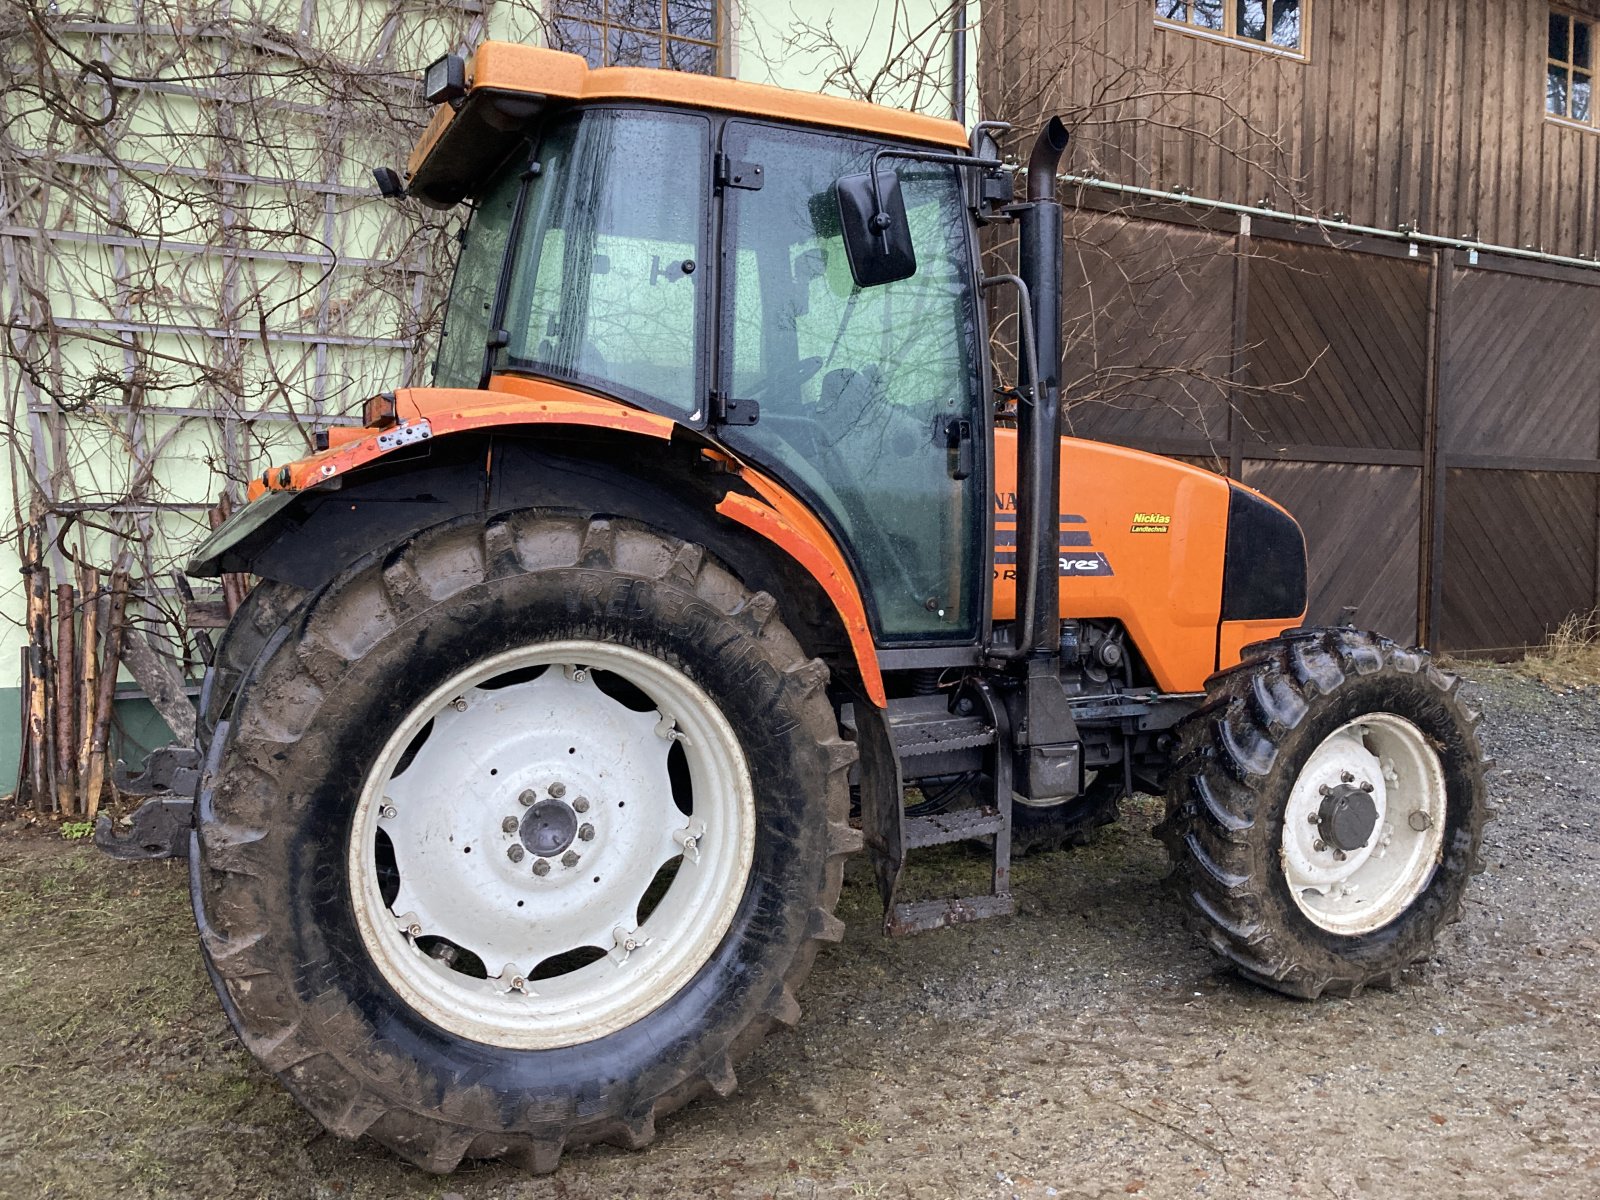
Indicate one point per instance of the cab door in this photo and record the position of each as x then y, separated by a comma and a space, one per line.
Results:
866, 401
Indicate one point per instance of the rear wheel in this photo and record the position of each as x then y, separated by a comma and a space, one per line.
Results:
520, 838
1326, 810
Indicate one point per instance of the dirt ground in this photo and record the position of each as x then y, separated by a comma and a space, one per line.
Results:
1085, 1048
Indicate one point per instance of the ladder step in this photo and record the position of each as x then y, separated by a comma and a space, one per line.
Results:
926, 915
957, 826
917, 734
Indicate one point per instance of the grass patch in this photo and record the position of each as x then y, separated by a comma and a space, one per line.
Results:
1570, 656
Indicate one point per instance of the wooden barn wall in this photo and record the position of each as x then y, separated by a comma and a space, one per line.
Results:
1430, 419
1427, 113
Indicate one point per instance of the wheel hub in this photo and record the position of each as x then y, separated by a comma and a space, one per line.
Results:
1346, 818
549, 828
1363, 827
534, 829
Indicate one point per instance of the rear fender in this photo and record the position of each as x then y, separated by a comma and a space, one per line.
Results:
598, 457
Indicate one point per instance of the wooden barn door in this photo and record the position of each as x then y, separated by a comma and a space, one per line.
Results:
1332, 424
1519, 412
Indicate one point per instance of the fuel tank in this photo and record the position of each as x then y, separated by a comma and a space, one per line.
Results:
1193, 565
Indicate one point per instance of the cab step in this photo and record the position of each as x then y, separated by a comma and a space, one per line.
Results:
922, 916
943, 828
923, 728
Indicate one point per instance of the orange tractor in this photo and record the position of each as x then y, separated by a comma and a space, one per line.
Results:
527, 774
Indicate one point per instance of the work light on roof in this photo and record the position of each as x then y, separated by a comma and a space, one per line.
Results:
444, 79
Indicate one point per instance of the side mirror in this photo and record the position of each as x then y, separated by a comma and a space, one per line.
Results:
877, 235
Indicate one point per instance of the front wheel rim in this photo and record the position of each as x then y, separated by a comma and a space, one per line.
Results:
1376, 775
552, 844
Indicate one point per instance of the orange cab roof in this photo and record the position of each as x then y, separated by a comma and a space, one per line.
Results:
536, 71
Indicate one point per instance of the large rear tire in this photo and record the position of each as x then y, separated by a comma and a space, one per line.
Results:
1326, 810
546, 689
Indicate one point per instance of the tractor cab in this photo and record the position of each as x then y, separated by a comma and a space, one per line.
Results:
695, 264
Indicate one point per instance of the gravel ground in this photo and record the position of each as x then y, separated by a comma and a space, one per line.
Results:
1085, 1048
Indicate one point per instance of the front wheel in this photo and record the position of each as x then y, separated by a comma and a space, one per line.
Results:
1325, 811
520, 838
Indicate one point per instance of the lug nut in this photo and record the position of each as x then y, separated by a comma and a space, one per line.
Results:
509, 825
387, 812
569, 859
558, 790
1313, 819
541, 866
1324, 790
1366, 785
581, 804
528, 798
1319, 844
586, 833
1346, 777
515, 853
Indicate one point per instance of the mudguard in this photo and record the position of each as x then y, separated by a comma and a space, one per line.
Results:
333, 523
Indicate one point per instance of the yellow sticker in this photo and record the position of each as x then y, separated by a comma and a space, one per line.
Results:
1151, 522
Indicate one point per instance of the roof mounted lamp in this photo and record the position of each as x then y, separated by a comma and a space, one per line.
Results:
445, 79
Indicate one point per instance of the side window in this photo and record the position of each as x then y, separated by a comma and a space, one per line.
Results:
465, 339
607, 288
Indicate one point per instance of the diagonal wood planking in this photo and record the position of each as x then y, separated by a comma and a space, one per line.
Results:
1522, 374
1520, 554
1355, 327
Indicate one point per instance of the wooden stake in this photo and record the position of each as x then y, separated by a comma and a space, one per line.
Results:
87, 692
94, 776
20, 795
66, 713
234, 586
41, 772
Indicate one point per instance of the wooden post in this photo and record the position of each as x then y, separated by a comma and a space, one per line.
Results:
1438, 459
1237, 363
1426, 616
94, 775
33, 683
233, 585
67, 684
42, 774
23, 678
90, 683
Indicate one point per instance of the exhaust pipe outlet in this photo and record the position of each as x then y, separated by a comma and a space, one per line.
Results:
1048, 148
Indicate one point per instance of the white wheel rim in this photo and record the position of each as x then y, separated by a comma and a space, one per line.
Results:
460, 880
1349, 888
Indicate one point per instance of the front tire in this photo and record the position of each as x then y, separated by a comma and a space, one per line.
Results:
1326, 810
378, 941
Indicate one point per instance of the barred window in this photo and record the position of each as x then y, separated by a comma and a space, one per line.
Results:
1274, 24
1568, 78
680, 35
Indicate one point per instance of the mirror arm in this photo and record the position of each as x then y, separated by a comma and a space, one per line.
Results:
880, 219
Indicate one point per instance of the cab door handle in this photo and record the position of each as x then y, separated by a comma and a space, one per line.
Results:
958, 440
